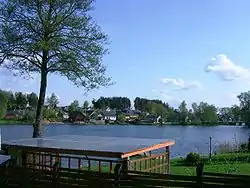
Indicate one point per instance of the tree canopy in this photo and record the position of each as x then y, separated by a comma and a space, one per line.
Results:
61, 37
52, 100
112, 102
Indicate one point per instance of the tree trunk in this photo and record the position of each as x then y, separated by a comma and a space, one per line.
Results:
38, 125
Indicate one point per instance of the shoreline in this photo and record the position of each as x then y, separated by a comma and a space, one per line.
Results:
13, 122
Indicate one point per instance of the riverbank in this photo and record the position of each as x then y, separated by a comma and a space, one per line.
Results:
22, 122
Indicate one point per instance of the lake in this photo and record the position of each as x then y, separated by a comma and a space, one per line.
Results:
187, 138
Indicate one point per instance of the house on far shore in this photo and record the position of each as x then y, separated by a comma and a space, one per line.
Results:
152, 119
108, 115
77, 116
12, 115
64, 115
131, 115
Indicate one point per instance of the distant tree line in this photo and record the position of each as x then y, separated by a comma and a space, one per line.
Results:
199, 113
112, 102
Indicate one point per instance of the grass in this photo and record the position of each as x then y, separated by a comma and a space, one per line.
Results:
228, 163
236, 168
12, 122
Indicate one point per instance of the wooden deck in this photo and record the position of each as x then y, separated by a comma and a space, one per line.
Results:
113, 147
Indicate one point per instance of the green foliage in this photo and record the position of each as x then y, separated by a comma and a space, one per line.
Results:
157, 109
85, 104
50, 114
11, 105
52, 101
121, 118
112, 102
32, 100
244, 99
74, 106
192, 159
29, 116
3, 103
183, 112
21, 100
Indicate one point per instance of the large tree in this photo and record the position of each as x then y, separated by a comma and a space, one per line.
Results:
183, 111
52, 36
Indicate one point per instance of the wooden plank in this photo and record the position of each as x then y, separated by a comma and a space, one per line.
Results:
214, 185
147, 149
65, 151
85, 174
157, 183
223, 180
160, 176
153, 168
85, 181
225, 175
138, 178
148, 157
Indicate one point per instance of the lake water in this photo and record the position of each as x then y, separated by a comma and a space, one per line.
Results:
187, 138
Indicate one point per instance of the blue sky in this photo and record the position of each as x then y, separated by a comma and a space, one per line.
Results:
173, 50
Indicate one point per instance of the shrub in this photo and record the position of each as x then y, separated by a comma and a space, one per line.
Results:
192, 159
244, 147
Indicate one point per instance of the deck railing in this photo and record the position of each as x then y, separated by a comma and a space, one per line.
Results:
75, 178
158, 163
47, 160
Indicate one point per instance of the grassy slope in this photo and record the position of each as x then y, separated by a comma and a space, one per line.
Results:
234, 163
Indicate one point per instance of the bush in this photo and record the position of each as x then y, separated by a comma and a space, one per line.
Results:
192, 159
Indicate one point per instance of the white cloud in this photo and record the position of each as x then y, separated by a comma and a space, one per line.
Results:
131, 68
180, 84
10, 78
227, 70
165, 95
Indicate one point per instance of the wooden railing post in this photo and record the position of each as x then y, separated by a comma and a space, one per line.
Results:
55, 173
24, 159
118, 170
168, 159
125, 166
199, 174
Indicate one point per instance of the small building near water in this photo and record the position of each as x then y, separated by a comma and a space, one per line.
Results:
108, 115
12, 115
77, 116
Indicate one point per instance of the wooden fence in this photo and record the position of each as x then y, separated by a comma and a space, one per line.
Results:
44, 161
75, 178
158, 163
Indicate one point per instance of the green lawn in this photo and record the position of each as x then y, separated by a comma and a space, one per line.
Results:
235, 168
231, 163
